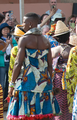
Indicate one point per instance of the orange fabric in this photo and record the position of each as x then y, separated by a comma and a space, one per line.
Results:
52, 30
18, 31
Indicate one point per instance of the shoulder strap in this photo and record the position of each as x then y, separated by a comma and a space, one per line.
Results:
65, 48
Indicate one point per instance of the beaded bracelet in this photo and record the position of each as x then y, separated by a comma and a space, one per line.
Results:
12, 84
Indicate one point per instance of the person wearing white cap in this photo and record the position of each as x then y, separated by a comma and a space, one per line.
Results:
62, 34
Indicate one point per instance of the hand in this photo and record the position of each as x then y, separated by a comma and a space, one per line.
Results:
9, 40
10, 93
53, 11
7, 17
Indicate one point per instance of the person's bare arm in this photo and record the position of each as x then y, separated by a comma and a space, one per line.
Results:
18, 64
55, 51
63, 15
51, 14
19, 59
49, 60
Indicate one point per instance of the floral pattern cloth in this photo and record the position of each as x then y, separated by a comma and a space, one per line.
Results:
14, 51
52, 41
71, 76
33, 92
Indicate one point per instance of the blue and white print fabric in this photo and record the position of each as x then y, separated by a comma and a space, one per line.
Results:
74, 113
52, 41
33, 93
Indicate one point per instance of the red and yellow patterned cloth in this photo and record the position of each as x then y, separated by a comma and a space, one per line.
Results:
52, 30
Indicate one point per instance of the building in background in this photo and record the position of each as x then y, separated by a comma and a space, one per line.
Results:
37, 6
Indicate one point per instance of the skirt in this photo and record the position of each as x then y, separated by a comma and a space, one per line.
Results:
61, 98
29, 105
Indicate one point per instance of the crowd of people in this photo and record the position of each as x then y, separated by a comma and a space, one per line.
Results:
38, 66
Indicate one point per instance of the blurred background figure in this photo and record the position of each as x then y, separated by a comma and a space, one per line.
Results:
7, 15
61, 51
2, 71
71, 23
12, 22
6, 37
45, 29
17, 33
56, 13
10, 19
71, 72
42, 18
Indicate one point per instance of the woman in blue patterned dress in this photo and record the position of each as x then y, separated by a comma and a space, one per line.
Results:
33, 97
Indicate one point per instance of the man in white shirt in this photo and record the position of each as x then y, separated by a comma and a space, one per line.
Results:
56, 13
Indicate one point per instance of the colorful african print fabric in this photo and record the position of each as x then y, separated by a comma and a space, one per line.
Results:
33, 97
71, 77
52, 41
60, 82
14, 51
52, 30
1, 103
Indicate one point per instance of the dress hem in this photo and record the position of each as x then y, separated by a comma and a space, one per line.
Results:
31, 117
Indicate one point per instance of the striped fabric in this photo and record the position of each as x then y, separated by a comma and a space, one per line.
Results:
1, 103
61, 98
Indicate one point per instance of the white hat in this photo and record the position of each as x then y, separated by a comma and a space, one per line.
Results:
61, 28
73, 40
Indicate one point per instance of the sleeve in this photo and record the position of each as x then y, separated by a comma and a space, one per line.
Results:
14, 42
1, 52
14, 51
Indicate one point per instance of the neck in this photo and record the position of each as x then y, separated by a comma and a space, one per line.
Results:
67, 41
52, 9
5, 36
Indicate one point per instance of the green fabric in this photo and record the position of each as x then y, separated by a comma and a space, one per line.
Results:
2, 58
2, 63
14, 42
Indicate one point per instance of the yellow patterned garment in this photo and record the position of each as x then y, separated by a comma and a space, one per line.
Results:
71, 76
1, 103
12, 61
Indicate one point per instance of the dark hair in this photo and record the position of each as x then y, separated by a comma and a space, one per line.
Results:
63, 38
70, 18
41, 18
34, 16
1, 17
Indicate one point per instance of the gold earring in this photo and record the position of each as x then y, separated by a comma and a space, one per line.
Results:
29, 26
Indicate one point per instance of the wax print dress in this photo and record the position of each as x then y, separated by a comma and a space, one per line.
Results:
71, 79
33, 97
